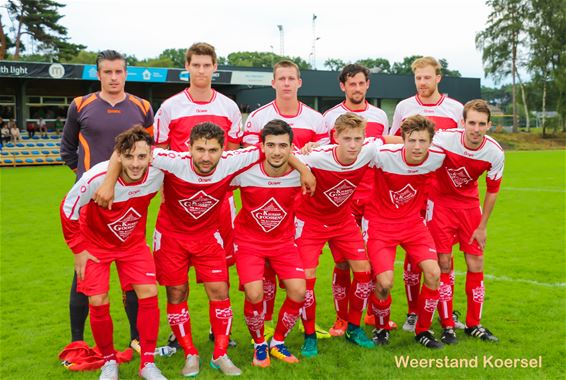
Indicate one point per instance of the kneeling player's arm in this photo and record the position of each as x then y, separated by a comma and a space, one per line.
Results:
392, 139
104, 195
308, 181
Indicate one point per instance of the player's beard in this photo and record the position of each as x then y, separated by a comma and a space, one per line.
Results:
357, 101
426, 92
201, 171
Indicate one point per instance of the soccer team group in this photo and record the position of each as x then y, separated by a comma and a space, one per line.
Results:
344, 178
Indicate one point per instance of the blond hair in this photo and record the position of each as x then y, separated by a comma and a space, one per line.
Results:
349, 120
419, 63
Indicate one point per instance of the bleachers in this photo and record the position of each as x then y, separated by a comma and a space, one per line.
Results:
36, 151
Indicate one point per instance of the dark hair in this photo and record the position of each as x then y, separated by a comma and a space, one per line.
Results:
109, 55
277, 127
200, 48
126, 140
478, 105
351, 70
416, 123
207, 131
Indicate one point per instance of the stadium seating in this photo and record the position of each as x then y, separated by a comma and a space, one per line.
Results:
36, 151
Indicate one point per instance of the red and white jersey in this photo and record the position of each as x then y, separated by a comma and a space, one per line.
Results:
377, 126
400, 188
85, 224
377, 122
307, 124
446, 113
456, 184
180, 113
268, 204
335, 183
191, 208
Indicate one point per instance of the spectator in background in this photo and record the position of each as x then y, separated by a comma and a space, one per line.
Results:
14, 131
6, 137
42, 127
31, 129
58, 124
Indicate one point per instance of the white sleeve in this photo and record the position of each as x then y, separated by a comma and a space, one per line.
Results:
321, 132
169, 160
161, 123
235, 133
252, 131
396, 124
80, 195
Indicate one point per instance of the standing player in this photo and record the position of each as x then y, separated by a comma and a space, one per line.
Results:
196, 104
354, 82
454, 213
99, 237
93, 121
264, 232
394, 219
308, 126
327, 217
446, 113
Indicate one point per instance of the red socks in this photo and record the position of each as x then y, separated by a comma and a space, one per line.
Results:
288, 316
445, 301
148, 327
269, 291
309, 316
221, 322
340, 290
254, 315
475, 292
103, 330
358, 296
180, 322
428, 301
381, 311
412, 279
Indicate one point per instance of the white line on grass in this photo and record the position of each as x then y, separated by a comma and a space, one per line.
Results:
510, 279
537, 189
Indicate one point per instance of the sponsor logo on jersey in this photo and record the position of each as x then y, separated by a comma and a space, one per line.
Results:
403, 196
340, 193
269, 215
201, 111
124, 226
459, 177
199, 204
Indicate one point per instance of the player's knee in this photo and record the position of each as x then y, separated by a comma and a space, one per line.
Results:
360, 265
445, 263
98, 299
217, 291
432, 278
384, 284
145, 291
342, 265
297, 292
176, 294
254, 295
310, 273
474, 263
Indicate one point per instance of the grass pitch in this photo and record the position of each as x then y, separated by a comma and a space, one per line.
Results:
525, 291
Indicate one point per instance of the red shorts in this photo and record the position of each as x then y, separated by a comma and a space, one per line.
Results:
284, 259
358, 207
449, 226
345, 241
174, 256
135, 266
383, 239
226, 227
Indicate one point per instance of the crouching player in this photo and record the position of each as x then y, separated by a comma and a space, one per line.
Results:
394, 218
327, 217
264, 233
454, 213
99, 237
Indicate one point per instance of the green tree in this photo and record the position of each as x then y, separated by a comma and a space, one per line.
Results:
40, 21
501, 41
85, 57
446, 71
404, 67
334, 64
381, 65
547, 36
177, 56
